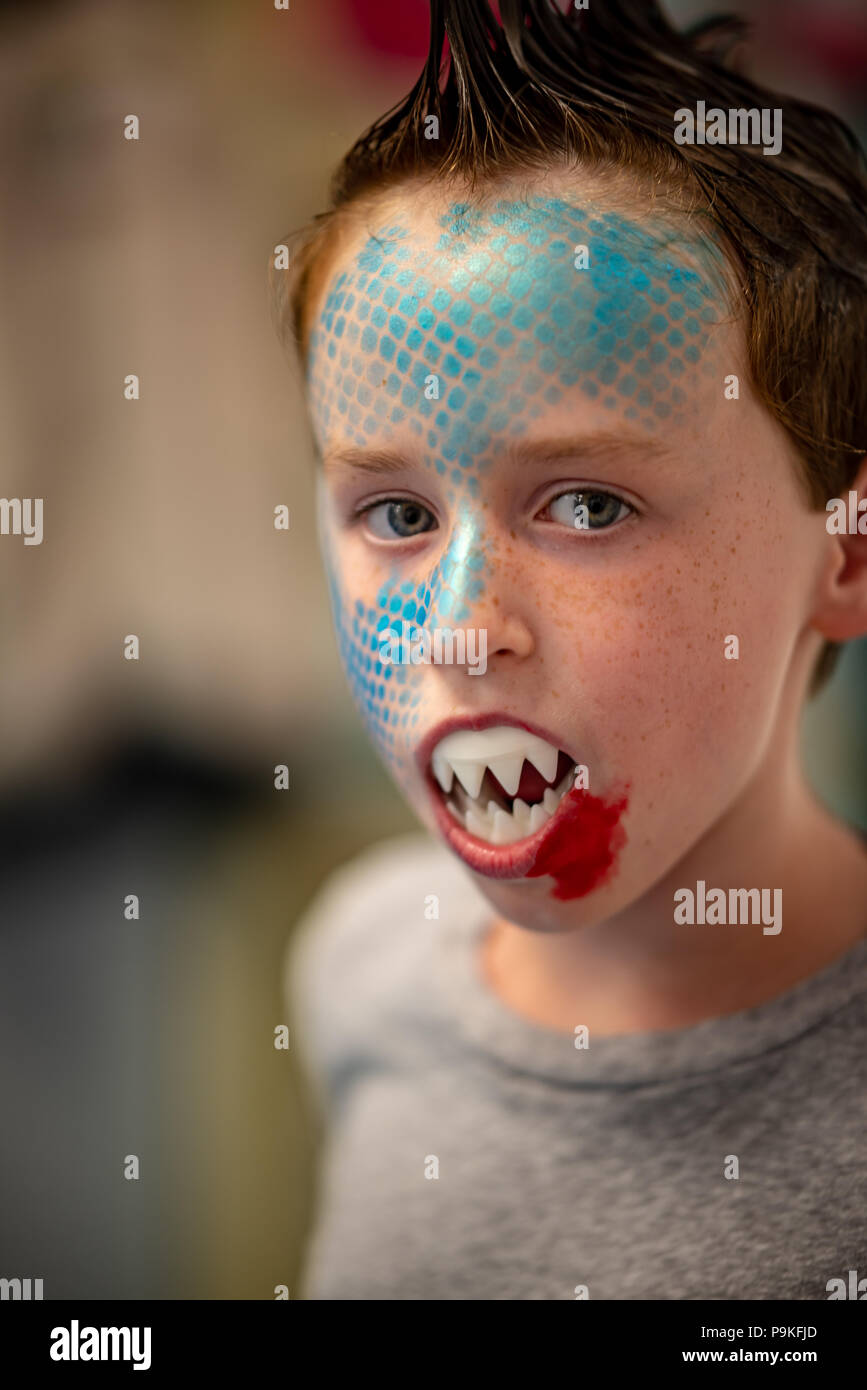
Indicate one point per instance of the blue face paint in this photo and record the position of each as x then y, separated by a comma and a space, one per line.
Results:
496, 316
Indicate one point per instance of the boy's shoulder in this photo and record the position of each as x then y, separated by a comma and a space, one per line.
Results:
356, 969
378, 895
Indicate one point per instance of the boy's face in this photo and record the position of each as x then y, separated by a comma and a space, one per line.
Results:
531, 437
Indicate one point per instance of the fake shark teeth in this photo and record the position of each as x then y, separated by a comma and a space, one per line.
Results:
480, 772
502, 749
501, 827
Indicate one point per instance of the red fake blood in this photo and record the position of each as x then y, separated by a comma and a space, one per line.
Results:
582, 848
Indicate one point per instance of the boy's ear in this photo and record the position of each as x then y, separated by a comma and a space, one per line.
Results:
841, 609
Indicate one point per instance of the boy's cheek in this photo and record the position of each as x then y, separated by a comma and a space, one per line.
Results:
675, 669
391, 698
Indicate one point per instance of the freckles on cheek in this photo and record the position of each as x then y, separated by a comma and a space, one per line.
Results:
581, 852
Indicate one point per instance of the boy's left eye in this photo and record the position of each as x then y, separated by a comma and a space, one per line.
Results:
587, 510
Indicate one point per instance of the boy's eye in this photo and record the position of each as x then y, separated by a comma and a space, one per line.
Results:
398, 519
588, 511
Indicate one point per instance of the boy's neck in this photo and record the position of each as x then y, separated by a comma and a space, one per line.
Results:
639, 971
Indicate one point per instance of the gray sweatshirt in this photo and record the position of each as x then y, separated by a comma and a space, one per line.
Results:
472, 1154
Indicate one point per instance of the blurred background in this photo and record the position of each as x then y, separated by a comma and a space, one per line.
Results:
155, 777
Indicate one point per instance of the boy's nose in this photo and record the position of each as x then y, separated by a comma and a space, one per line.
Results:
496, 627
508, 632
481, 595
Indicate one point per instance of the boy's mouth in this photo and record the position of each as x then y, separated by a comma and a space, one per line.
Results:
502, 784
497, 790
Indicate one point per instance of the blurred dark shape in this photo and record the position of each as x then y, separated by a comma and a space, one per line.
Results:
139, 779
83, 1002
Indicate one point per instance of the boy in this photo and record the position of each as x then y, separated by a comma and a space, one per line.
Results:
581, 392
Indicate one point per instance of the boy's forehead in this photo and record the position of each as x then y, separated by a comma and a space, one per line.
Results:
450, 326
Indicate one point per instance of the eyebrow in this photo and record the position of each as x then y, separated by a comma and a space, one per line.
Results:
590, 447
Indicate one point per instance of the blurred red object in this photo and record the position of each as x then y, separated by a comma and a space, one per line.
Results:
390, 28
836, 42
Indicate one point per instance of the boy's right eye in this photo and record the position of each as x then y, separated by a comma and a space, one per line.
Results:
398, 518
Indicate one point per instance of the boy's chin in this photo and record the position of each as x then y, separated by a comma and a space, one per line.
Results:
587, 887
530, 903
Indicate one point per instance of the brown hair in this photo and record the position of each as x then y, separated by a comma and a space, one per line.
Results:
600, 87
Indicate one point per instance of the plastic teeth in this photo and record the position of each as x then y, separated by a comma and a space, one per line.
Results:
469, 752
501, 827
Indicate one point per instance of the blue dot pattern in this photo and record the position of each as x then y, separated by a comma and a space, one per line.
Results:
456, 344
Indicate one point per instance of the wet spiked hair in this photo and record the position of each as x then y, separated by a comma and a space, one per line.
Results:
598, 88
